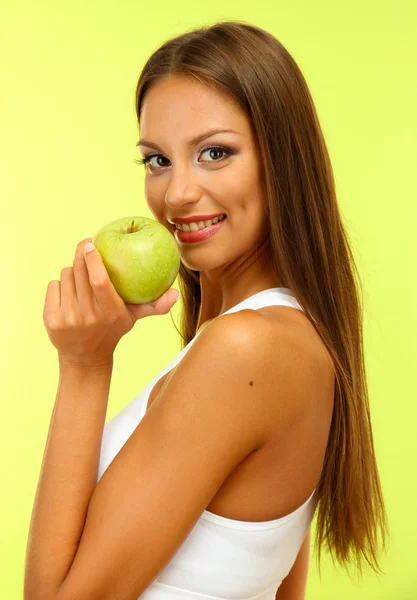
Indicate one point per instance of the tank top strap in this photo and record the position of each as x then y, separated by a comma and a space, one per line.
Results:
270, 297
278, 296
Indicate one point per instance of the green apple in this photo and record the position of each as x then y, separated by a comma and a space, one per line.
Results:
141, 257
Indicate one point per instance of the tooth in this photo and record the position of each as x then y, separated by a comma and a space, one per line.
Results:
200, 224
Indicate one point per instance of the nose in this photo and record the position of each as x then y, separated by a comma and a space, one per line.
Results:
180, 196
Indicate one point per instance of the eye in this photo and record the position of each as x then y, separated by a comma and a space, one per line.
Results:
216, 149
146, 159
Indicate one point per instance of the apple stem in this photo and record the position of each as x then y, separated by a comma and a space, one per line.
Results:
131, 226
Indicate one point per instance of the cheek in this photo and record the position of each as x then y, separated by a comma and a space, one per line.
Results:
252, 198
153, 201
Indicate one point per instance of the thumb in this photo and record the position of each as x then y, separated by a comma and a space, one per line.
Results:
160, 306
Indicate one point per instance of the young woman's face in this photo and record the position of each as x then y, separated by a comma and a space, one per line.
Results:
185, 178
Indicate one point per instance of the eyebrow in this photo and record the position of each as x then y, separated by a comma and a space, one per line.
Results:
192, 141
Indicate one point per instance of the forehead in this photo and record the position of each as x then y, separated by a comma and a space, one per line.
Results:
182, 107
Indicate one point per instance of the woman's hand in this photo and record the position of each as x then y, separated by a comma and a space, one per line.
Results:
84, 315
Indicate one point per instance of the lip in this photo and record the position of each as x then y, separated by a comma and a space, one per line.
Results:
194, 218
191, 237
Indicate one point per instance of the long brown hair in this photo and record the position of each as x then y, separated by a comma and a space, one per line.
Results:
308, 250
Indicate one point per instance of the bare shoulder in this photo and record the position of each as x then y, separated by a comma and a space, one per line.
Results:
283, 347
234, 351
300, 333
304, 378
245, 332
276, 331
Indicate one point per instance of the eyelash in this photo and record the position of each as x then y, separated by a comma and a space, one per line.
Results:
145, 160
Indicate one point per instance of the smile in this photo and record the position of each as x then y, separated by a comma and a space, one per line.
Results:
198, 234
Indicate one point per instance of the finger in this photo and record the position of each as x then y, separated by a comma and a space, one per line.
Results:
68, 293
85, 294
104, 292
160, 306
164, 303
52, 301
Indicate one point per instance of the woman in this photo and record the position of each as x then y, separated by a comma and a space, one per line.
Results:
262, 420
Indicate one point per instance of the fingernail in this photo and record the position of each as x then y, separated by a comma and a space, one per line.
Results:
178, 297
89, 247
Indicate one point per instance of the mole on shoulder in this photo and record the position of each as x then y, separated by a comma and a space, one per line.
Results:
250, 382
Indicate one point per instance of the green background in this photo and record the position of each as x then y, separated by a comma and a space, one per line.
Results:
68, 72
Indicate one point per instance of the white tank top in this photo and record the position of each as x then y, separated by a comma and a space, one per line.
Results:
221, 558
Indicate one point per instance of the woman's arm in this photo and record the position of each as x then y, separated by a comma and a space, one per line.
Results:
67, 478
294, 585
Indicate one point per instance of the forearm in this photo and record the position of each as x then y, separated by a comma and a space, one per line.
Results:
68, 476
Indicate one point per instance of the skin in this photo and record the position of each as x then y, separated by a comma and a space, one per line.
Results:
184, 181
